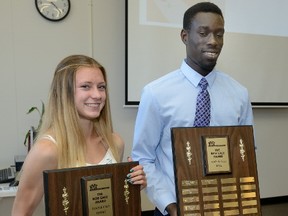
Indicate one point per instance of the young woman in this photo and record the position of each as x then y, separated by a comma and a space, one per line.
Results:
76, 130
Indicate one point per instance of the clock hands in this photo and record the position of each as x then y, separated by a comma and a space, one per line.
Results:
59, 11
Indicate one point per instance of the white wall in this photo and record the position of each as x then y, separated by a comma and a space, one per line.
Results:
31, 47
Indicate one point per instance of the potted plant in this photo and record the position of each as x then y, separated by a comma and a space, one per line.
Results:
31, 134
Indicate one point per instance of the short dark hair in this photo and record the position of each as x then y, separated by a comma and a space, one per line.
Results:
199, 7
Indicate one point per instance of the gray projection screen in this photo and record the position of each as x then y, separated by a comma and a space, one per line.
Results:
254, 52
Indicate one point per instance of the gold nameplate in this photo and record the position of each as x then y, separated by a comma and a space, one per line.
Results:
248, 187
210, 198
247, 180
191, 199
213, 213
229, 188
191, 207
192, 214
211, 206
250, 211
210, 190
209, 182
230, 204
228, 181
189, 183
248, 195
97, 195
232, 212
190, 191
249, 203
217, 155
229, 196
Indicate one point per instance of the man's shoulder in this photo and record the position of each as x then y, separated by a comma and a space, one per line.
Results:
229, 79
164, 80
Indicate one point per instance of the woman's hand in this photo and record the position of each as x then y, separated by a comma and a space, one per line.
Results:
137, 175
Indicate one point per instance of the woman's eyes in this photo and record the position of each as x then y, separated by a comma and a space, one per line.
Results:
87, 86
102, 87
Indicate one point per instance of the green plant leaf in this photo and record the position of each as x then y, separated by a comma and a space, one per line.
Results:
32, 109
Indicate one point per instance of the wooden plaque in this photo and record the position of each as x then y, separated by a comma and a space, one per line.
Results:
215, 171
93, 190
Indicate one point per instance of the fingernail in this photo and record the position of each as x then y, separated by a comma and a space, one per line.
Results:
131, 170
129, 176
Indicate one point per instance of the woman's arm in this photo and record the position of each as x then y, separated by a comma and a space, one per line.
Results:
43, 156
137, 174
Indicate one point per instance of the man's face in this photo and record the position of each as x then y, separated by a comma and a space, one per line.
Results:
204, 41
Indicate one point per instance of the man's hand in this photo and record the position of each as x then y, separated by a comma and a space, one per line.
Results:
172, 209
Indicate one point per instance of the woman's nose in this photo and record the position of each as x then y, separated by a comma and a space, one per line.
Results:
96, 93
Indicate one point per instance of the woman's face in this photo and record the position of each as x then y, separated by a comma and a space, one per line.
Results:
90, 92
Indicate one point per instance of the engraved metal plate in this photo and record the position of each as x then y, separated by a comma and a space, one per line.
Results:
97, 195
217, 155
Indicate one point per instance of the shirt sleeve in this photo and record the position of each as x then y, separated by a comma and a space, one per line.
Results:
247, 113
146, 150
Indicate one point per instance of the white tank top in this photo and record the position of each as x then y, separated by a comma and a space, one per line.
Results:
107, 159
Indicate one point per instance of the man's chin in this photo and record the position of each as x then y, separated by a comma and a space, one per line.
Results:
209, 67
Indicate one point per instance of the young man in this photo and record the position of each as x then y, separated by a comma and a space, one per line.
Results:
170, 101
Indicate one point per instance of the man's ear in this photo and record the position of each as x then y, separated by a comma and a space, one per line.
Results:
184, 35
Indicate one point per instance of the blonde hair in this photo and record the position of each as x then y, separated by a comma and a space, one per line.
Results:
61, 117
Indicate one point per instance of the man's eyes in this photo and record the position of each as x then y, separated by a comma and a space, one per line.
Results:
205, 34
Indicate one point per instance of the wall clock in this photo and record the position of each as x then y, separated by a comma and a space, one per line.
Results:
53, 10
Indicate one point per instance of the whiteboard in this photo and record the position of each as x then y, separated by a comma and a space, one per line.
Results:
254, 51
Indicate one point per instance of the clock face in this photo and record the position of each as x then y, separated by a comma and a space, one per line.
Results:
53, 10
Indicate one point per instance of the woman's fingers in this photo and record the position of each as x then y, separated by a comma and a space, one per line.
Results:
138, 176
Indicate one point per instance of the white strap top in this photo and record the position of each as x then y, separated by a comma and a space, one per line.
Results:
107, 159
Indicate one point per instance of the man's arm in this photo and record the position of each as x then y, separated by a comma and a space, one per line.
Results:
147, 135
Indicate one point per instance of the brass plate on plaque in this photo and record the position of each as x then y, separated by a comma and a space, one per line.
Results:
94, 190
220, 162
216, 154
97, 195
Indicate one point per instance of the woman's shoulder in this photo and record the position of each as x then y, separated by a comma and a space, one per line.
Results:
118, 141
42, 156
45, 150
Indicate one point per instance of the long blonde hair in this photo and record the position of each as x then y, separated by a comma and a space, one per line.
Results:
61, 117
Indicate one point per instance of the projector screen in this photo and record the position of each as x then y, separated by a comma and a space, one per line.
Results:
254, 51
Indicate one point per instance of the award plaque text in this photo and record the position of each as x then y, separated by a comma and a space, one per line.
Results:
217, 155
97, 195
98, 190
215, 171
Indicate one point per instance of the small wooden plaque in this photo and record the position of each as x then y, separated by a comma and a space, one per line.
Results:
215, 171
92, 190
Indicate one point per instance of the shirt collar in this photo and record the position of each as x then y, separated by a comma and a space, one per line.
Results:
194, 77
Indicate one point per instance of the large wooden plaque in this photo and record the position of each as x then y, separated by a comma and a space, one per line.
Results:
100, 190
215, 171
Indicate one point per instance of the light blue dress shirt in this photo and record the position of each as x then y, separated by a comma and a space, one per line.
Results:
170, 101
